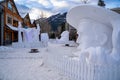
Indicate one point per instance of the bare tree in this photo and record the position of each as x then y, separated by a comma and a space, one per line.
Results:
42, 15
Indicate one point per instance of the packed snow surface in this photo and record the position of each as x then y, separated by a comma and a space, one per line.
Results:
19, 64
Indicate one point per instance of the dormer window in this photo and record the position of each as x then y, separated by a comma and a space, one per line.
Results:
9, 6
14, 10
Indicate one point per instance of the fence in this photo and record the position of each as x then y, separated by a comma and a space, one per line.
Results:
29, 45
77, 70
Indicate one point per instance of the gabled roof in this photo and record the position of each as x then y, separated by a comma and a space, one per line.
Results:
32, 21
28, 17
23, 15
4, 1
15, 7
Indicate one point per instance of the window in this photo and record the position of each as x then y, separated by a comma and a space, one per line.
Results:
15, 23
8, 36
14, 10
9, 20
9, 6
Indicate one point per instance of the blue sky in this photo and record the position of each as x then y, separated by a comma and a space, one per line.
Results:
51, 7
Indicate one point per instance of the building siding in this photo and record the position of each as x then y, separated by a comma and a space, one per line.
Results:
1, 25
8, 34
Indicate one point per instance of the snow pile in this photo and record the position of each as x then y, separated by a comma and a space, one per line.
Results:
64, 37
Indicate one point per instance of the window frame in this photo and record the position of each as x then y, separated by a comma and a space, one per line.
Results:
8, 16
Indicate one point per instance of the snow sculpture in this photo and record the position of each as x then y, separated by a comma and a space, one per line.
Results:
38, 33
64, 37
31, 34
45, 38
27, 35
30, 37
19, 33
99, 33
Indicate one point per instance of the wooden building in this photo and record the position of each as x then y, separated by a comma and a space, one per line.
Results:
62, 27
1, 25
72, 33
11, 17
33, 24
44, 25
27, 22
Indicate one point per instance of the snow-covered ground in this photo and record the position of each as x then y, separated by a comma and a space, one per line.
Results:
19, 64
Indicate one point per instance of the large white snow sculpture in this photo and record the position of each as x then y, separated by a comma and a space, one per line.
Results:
99, 33
31, 34
30, 37
27, 35
101, 36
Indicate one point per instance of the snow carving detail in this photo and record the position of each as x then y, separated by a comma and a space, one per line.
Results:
99, 33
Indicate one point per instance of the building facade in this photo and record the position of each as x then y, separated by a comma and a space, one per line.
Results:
11, 18
1, 25
27, 22
44, 25
63, 27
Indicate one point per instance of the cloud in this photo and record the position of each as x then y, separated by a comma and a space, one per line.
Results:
51, 7
59, 4
36, 13
45, 3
